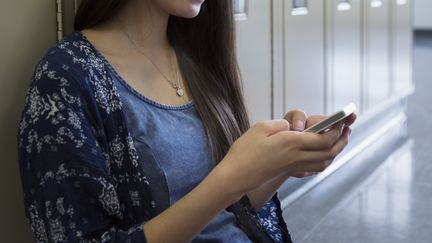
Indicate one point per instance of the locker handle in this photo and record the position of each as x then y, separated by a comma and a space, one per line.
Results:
376, 3
300, 7
344, 5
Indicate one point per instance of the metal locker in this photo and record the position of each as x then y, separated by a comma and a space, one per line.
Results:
303, 67
253, 32
344, 53
304, 73
376, 52
402, 47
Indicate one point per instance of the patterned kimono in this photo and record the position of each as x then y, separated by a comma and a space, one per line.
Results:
81, 173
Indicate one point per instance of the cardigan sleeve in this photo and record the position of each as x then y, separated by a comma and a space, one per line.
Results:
68, 193
270, 217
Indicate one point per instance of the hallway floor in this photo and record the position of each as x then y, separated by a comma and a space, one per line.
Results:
390, 198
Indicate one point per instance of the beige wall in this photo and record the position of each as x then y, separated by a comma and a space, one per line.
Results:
27, 29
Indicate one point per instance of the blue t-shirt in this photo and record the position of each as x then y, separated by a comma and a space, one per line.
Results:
173, 143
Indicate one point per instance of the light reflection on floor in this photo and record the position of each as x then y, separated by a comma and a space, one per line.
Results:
385, 199
386, 207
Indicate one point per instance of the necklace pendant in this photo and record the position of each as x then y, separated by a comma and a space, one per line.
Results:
180, 92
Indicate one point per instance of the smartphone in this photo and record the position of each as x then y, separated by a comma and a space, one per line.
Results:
325, 124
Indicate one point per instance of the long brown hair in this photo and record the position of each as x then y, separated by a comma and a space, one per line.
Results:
205, 46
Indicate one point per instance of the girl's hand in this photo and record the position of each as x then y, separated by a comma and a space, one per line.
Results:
269, 149
310, 121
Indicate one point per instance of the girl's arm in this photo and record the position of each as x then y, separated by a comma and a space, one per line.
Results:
187, 217
261, 195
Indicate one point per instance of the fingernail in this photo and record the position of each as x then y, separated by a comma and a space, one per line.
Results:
299, 125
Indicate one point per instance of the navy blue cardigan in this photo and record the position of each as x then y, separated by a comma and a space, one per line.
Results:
81, 175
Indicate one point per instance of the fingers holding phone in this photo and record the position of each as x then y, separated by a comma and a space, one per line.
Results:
297, 119
322, 149
319, 123
271, 148
324, 138
337, 117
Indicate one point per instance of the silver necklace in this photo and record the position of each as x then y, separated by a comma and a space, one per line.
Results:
175, 85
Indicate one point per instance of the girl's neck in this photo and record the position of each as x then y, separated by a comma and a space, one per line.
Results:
146, 24
142, 25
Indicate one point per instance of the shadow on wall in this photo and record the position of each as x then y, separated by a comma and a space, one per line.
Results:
28, 28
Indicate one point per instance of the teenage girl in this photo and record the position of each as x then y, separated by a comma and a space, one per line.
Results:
135, 130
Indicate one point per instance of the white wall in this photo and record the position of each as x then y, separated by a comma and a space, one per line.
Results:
423, 14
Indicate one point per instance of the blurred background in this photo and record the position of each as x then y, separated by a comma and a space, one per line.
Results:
314, 55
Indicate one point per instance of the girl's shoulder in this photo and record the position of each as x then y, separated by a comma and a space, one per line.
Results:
75, 63
73, 56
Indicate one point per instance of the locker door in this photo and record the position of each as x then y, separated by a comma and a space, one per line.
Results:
28, 28
376, 45
253, 28
304, 64
304, 55
402, 44
344, 55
